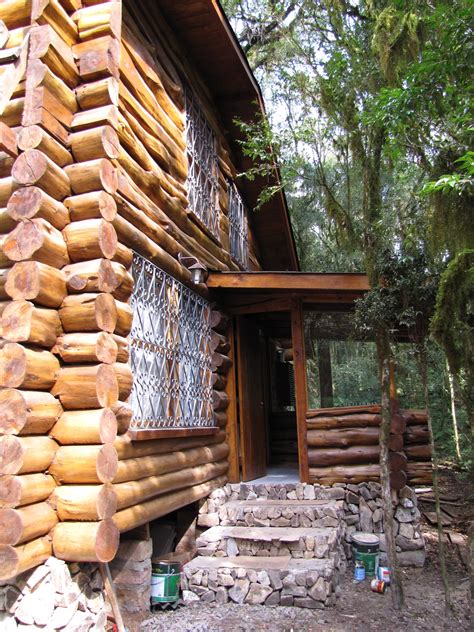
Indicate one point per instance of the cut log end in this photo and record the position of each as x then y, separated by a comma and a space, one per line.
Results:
13, 411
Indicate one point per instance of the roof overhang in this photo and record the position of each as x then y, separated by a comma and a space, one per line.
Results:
204, 31
257, 292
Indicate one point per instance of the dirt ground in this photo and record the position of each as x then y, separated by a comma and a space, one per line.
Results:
357, 609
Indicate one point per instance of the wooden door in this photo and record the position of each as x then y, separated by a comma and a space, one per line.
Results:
252, 415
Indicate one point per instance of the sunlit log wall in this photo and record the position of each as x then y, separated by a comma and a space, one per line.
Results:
343, 446
93, 165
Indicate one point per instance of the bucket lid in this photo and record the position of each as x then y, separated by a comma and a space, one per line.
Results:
365, 538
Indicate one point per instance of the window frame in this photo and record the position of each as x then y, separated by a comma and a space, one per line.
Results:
238, 227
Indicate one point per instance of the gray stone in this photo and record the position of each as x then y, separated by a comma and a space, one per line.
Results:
208, 520
263, 578
412, 558
239, 590
353, 488
407, 503
275, 579
407, 492
273, 599
252, 576
365, 493
352, 498
309, 493
257, 594
189, 595
225, 580
62, 616
198, 590
353, 508
366, 524
351, 520
81, 622
299, 591
208, 597
407, 544
319, 591
286, 600
289, 581
10, 598
403, 515
334, 493
37, 576
406, 530
307, 602
377, 515
221, 595
212, 585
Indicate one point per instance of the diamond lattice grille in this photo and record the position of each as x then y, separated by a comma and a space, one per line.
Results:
202, 166
239, 247
170, 352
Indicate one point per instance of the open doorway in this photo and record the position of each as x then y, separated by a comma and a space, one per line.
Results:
266, 398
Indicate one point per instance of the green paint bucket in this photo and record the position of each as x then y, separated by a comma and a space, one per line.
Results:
165, 582
365, 547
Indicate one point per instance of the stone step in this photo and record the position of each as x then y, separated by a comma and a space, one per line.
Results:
275, 513
297, 542
262, 580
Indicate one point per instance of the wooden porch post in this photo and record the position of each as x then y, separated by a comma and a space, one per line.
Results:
231, 429
299, 359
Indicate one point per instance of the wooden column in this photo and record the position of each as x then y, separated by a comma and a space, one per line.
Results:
301, 397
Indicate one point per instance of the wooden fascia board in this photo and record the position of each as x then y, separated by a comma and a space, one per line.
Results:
288, 281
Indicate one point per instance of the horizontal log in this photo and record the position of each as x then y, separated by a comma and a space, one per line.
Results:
90, 239
52, 12
27, 412
417, 434
95, 143
32, 202
220, 400
23, 322
98, 93
17, 560
344, 410
123, 415
129, 449
84, 502
15, 13
6, 222
25, 489
7, 187
35, 137
47, 45
32, 167
94, 205
418, 452
85, 427
36, 239
88, 312
134, 492
415, 417
124, 375
28, 369
86, 541
343, 421
99, 275
84, 464
38, 282
25, 455
39, 75
219, 343
341, 456
137, 515
93, 175
343, 437
344, 474
83, 387
26, 523
220, 363
95, 347
98, 59
3, 282
134, 469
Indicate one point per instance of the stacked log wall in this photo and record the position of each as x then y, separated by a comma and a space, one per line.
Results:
343, 446
93, 164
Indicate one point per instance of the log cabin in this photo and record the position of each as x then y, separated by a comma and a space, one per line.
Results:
153, 325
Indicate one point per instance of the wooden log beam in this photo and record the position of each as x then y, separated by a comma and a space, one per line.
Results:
99, 275
35, 137
123, 415
145, 512
47, 46
32, 167
23, 322
345, 474
27, 412
82, 347
134, 492
129, 449
417, 434
418, 452
98, 59
342, 437
343, 456
84, 502
93, 175
25, 455
98, 93
36, 239
38, 282
40, 75
17, 560
84, 464
94, 205
85, 427
95, 143
27, 523
27, 368
90, 239
7, 187
88, 312
86, 541
25, 489
32, 202
143, 467
86, 387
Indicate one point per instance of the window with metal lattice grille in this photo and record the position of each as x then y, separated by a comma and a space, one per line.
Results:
202, 165
170, 352
238, 228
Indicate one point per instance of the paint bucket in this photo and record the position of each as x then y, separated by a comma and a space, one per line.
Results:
383, 573
365, 547
359, 571
378, 586
165, 582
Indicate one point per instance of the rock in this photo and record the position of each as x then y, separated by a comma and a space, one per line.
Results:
208, 597
61, 578
309, 493
365, 493
299, 591
37, 576
64, 600
289, 581
353, 508
352, 499
208, 520
412, 558
263, 578
366, 524
198, 590
319, 591
311, 578
353, 488
221, 595
241, 573
307, 602
62, 616
334, 493
225, 580
407, 544
377, 515
10, 597
257, 594
286, 600
239, 590
189, 596
403, 514
81, 622
95, 603
273, 599
407, 503
406, 530
135, 550
275, 579
252, 575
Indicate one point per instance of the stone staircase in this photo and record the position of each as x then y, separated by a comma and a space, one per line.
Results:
268, 544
